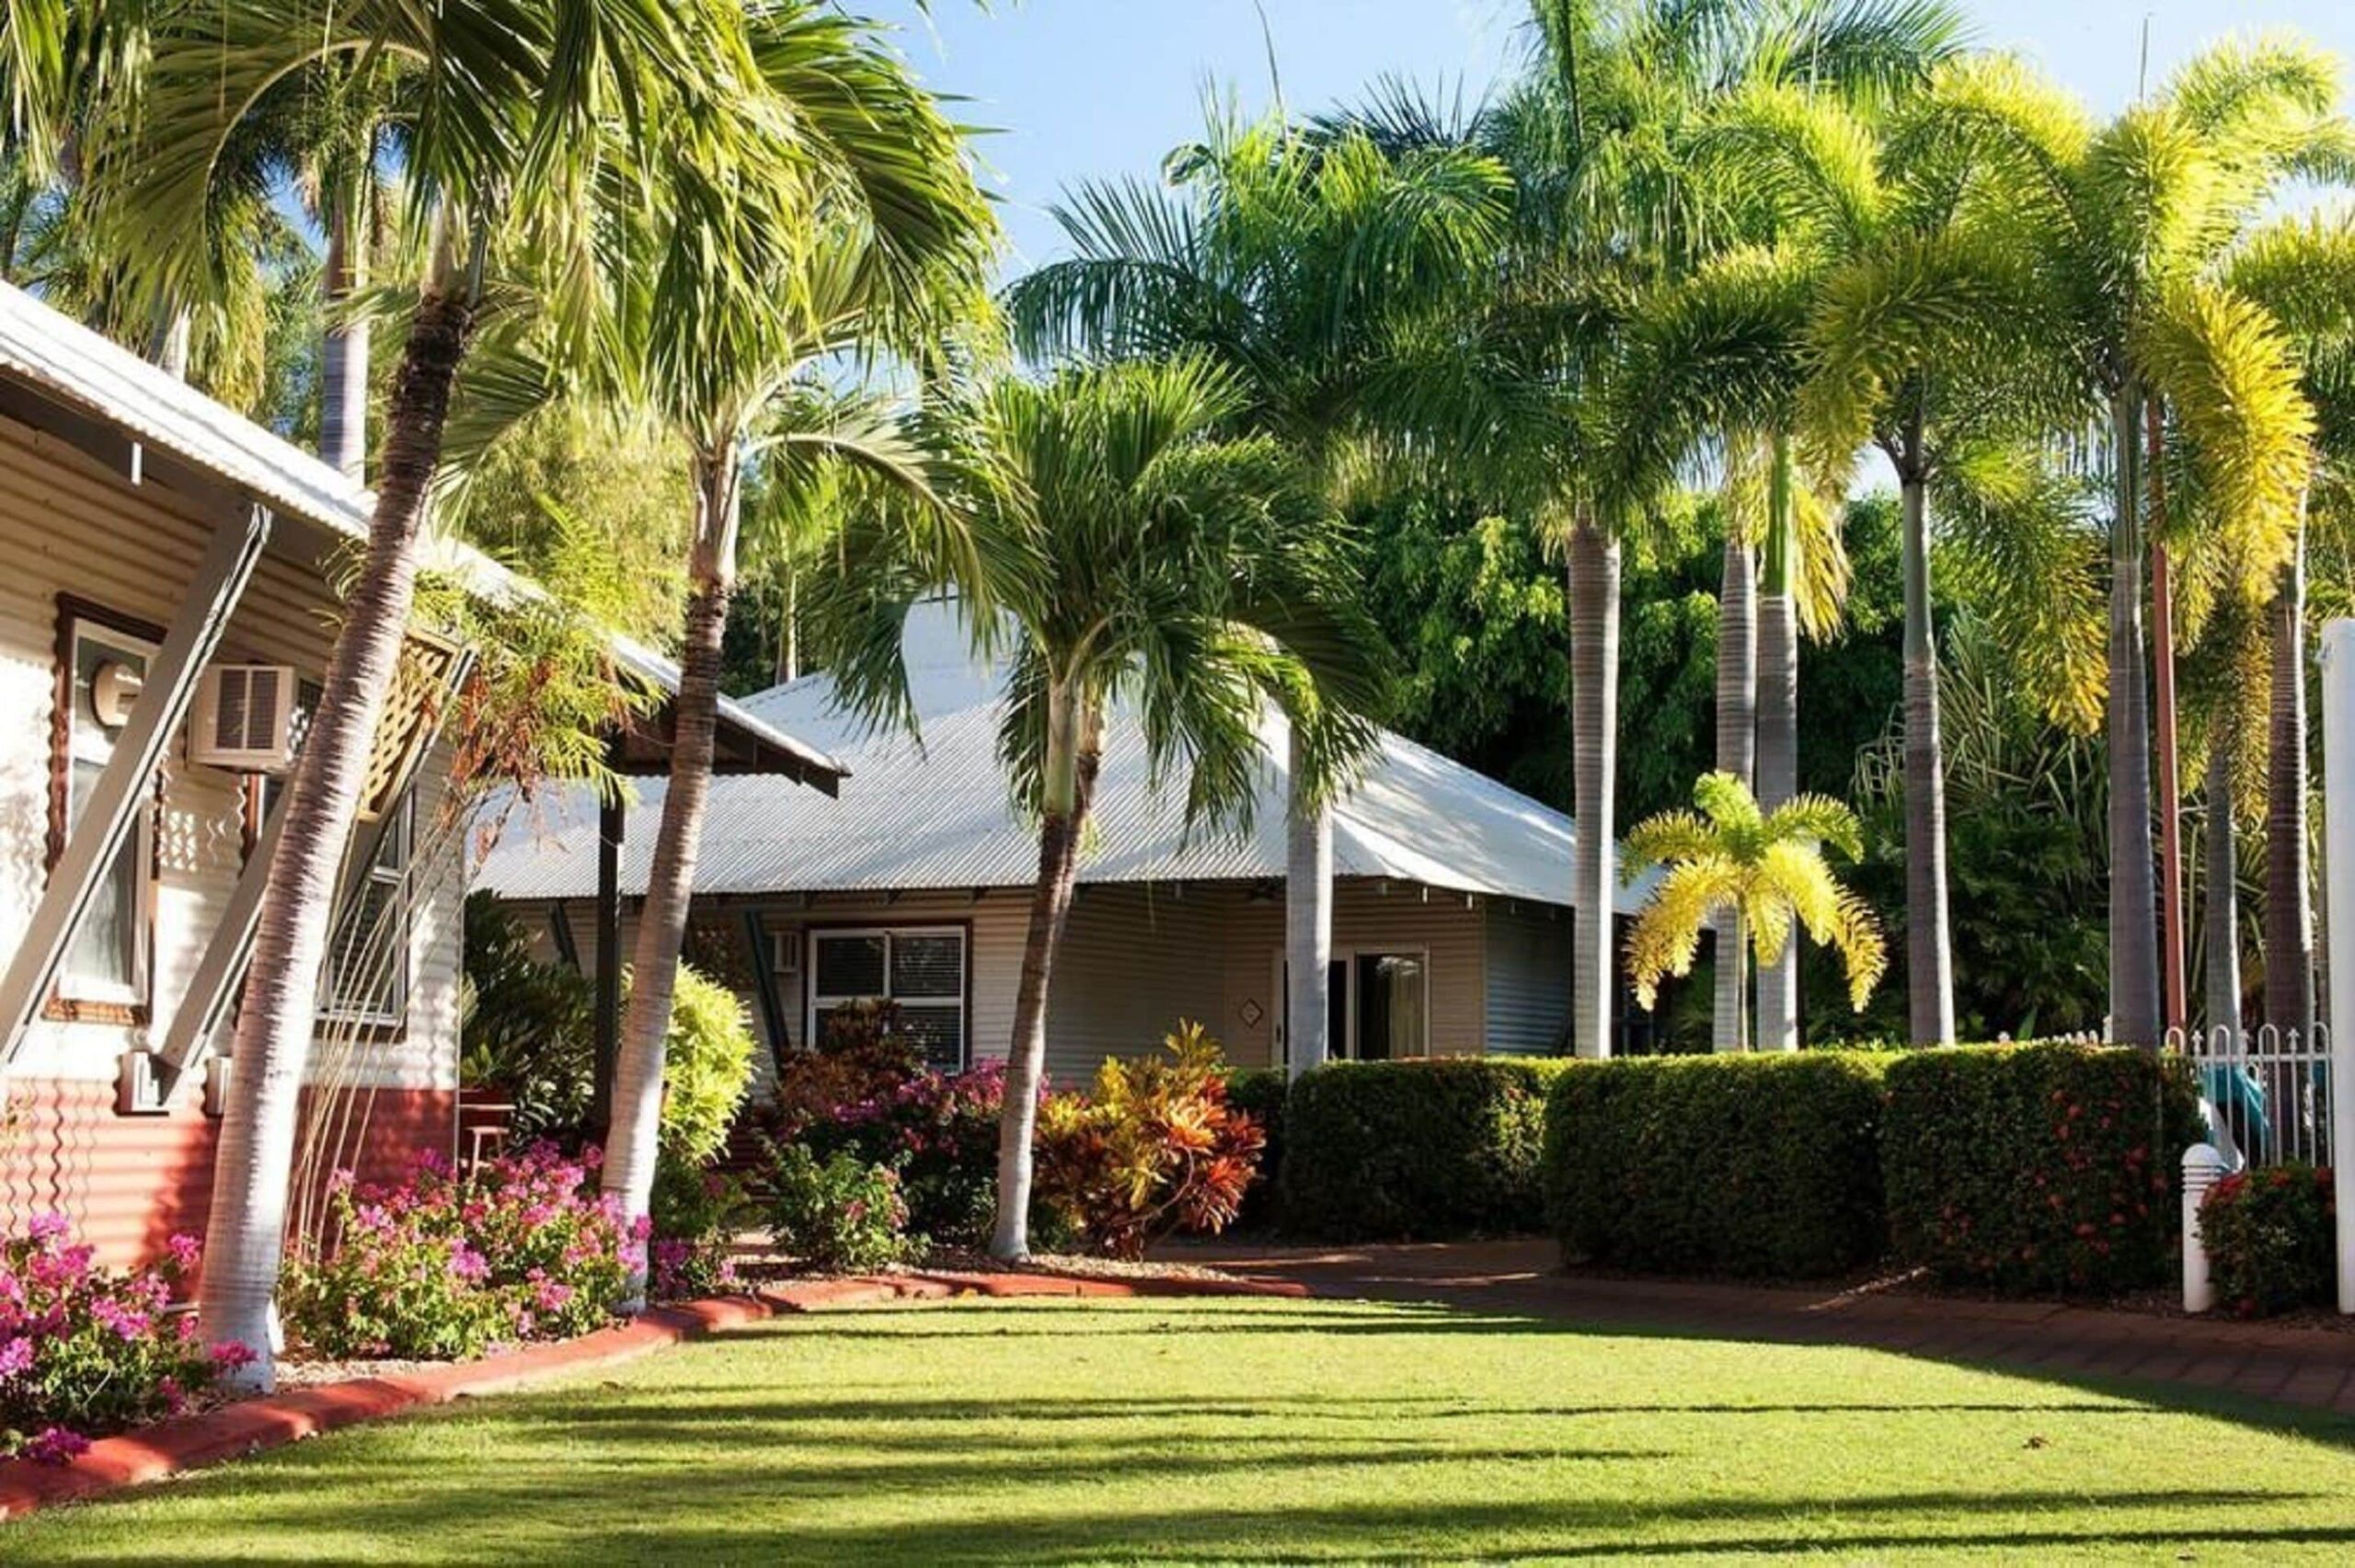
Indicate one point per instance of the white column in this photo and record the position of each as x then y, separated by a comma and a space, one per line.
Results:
2339, 860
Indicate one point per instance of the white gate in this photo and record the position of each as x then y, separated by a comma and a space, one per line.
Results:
2266, 1093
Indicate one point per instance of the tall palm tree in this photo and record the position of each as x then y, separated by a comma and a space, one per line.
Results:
1765, 868
1920, 328
2301, 273
2135, 219
520, 104
1295, 261
1143, 556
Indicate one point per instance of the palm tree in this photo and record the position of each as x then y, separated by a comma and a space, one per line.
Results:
1766, 870
2301, 273
1920, 329
2135, 219
521, 102
1294, 260
1146, 557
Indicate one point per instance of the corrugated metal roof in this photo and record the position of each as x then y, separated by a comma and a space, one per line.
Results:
937, 815
88, 371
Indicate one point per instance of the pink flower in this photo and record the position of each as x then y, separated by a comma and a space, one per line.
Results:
55, 1446
128, 1322
48, 1227
592, 1158
16, 1356
229, 1354
470, 1266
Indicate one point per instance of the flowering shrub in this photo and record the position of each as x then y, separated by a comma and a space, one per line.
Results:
441, 1267
871, 1098
697, 1214
1154, 1148
2270, 1238
85, 1350
2037, 1169
839, 1215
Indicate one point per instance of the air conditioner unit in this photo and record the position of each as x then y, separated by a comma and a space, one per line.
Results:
245, 718
784, 952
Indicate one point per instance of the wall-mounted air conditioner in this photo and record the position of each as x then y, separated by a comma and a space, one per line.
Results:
245, 718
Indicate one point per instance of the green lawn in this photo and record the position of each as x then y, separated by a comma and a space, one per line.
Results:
1221, 1430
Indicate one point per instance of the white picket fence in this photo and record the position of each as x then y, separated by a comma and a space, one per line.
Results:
2266, 1092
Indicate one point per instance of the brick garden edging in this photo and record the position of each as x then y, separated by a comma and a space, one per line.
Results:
184, 1443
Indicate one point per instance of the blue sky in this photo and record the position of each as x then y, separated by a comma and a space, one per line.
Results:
1084, 89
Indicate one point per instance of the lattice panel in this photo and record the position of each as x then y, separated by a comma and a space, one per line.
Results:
412, 709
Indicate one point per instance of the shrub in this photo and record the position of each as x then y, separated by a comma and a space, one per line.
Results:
2037, 1169
86, 1351
1755, 1165
706, 1065
438, 1267
839, 1215
528, 1028
1416, 1149
2271, 1237
1152, 1148
939, 1130
697, 1214
1260, 1092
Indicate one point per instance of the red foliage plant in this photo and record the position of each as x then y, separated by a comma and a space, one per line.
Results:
1152, 1148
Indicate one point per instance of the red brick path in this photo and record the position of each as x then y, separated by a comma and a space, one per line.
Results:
2306, 1367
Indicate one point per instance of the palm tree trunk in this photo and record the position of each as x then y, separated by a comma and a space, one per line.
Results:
1594, 742
1308, 921
1929, 951
2289, 912
245, 1234
1074, 740
1778, 734
1738, 755
2224, 957
632, 1138
343, 351
2133, 882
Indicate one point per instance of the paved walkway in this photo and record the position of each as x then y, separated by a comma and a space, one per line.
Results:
2306, 1367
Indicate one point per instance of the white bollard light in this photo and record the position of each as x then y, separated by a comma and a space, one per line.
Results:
2338, 918
2203, 1167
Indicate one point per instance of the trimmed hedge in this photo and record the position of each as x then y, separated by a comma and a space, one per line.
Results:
1415, 1150
1260, 1093
2038, 1170
1763, 1166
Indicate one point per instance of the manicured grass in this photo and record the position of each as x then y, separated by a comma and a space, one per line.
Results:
1222, 1430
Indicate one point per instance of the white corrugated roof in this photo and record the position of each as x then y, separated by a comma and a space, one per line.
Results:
939, 816
89, 372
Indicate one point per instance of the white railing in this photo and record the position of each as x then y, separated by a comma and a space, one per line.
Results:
2266, 1092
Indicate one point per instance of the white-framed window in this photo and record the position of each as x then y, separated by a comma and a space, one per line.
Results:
920, 970
103, 665
367, 978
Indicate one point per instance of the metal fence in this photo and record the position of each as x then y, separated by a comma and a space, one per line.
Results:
2266, 1092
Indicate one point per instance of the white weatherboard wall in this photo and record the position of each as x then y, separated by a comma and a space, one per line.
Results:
69, 527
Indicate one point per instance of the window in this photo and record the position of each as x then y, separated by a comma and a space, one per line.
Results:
1390, 1010
919, 971
367, 978
102, 662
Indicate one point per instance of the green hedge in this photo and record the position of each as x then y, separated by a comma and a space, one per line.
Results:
1415, 1149
1763, 1166
2038, 1170
1260, 1092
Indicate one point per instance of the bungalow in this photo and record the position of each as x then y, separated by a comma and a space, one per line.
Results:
165, 609
1451, 917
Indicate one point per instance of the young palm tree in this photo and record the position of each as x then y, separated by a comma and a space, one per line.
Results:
1143, 557
519, 103
1767, 870
1295, 261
